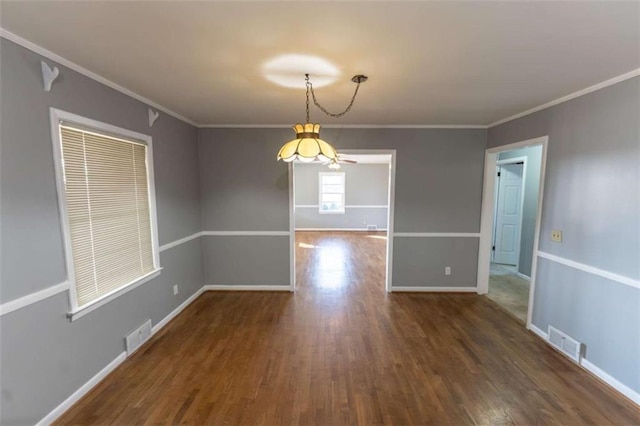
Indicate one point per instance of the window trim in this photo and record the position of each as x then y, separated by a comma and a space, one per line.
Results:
56, 118
344, 192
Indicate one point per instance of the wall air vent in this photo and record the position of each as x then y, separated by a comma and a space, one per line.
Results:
565, 344
137, 337
372, 227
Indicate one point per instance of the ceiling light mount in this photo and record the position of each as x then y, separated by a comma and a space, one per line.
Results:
307, 146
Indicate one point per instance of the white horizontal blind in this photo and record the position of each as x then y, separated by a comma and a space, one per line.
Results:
107, 197
332, 192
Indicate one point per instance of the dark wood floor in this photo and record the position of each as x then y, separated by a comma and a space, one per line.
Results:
342, 351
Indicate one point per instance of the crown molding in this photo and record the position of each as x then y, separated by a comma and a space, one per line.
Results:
347, 126
77, 68
90, 74
585, 91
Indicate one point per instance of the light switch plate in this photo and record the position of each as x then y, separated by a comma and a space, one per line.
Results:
556, 235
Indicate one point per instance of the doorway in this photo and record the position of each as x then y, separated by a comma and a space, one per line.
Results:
340, 220
511, 209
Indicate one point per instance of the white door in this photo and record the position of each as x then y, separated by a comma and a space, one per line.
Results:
506, 244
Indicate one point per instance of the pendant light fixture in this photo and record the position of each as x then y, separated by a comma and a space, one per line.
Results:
307, 146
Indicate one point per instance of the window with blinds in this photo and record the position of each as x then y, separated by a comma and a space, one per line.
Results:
331, 192
106, 193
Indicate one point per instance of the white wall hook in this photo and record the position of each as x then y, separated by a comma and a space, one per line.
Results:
48, 75
153, 116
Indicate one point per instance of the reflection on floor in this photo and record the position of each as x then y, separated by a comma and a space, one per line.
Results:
508, 290
341, 260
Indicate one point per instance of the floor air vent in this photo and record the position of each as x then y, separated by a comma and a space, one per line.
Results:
137, 337
565, 344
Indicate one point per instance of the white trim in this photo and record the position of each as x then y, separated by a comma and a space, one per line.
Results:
513, 160
108, 297
437, 235
340, 229
423, 289
595, 370
539, 332
81, 70
611, 381
82, 391
176, 311
292, 226
487, 215
523, 276
31, 298
57, 117
246, 233
180, 241
258, 287
346, 126
590, 269
585, 91
362, 206
35, 297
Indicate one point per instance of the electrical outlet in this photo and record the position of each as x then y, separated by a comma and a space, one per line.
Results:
447, 270
175, 289
556, 235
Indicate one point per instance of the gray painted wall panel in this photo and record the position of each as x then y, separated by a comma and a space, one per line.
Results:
243, 188
592, 187
246, 260
32, 256
530, 203
602, 314
438, 188
421, 262
45, 358
353, 218
592, 193
366, 184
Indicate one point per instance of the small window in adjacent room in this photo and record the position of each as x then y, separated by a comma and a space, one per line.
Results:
107, 203
331, 192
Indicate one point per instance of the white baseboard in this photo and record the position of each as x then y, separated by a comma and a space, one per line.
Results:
247, 288
176, 311
523, 276
397, 289
544, 336
596, 371
67, 403
611, 381
84, 389
341, 229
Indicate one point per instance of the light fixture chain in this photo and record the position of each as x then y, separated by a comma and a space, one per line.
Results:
308, 86
315, 101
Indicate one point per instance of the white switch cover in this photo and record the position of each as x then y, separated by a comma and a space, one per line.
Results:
447, 270
556, 235
175, 289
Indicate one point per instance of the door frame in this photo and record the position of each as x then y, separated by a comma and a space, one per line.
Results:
495, 205
390, 214
487, 215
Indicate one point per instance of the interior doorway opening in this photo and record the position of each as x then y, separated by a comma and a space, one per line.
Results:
511, 210
340, 220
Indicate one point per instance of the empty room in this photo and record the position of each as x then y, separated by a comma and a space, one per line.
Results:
319, 212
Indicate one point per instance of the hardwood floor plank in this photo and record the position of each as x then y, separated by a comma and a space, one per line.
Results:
342, 351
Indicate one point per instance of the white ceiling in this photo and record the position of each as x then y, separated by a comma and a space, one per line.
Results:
437, 63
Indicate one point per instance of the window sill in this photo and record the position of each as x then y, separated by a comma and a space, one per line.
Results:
84, 310
326, 212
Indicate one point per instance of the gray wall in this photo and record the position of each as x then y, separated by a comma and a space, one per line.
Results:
366, 185
44, 357
438, 189
530, 202
591, 193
